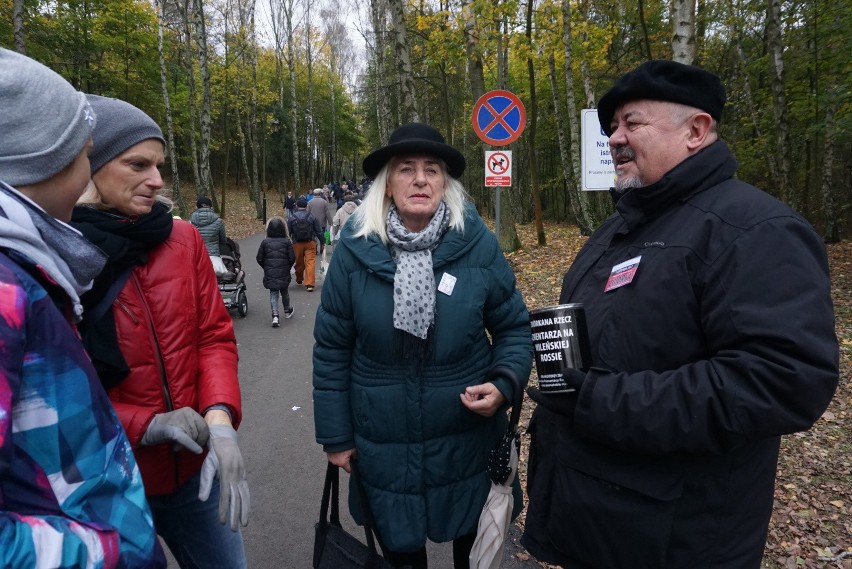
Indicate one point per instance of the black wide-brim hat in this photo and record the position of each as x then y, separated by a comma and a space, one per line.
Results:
664, 80
415, 138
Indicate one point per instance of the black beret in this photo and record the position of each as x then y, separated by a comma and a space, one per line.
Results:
663, 80
415, 138
302, 203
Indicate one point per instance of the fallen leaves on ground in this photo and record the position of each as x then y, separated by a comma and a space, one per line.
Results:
811, 526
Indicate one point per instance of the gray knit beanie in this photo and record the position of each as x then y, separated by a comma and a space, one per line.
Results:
120, 126
44, 121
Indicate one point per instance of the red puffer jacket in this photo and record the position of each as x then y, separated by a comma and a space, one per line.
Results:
178, 340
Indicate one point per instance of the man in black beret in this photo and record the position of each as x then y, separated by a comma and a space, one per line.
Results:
711, 332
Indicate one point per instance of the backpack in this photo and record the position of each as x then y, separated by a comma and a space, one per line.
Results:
301, 229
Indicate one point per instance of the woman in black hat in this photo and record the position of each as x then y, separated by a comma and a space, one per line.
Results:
419, 307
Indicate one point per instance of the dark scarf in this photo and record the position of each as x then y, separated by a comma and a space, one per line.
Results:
126, 241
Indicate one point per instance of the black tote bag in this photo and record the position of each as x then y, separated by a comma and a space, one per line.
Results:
334, 547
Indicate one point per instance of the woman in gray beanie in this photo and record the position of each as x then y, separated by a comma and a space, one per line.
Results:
163, 343
67, 498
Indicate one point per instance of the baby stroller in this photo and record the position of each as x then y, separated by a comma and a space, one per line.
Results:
232, 284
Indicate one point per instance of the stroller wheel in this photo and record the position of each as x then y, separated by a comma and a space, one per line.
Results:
242, 304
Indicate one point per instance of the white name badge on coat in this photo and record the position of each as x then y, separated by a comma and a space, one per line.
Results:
622, 274
447, 284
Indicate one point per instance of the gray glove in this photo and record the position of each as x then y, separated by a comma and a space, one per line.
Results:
184, 427
226, 463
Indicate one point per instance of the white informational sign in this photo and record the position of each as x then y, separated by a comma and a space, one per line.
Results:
598, 170
498, 168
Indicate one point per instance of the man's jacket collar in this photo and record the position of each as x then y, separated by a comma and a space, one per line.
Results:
697, 173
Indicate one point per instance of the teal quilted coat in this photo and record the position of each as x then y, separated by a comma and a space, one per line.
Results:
421, 453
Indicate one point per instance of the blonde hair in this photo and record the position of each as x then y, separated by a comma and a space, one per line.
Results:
371, 216
92, 197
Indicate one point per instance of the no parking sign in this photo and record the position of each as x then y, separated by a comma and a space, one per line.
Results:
498, 168
499, 118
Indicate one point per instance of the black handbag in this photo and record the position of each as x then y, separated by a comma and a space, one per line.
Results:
334, 547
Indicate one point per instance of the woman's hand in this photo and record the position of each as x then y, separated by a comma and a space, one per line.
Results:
342, 458
483, 399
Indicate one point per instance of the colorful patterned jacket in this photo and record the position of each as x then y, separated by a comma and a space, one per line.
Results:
70, 491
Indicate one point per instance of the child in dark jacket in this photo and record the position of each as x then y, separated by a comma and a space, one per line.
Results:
276, 258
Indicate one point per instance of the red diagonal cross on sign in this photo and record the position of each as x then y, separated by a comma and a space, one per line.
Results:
498, 117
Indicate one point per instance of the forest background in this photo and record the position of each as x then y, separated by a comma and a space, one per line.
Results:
261, 97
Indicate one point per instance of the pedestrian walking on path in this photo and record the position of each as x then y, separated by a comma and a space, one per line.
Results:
276, 257
305, 231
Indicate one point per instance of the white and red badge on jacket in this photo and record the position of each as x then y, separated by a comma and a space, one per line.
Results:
622, 274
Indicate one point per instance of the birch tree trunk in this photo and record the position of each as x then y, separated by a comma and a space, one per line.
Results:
294, 111
252, 119
275, 18
683, 34
476, 78
312, 126
188, 14
564, 157
18, 25
531, 134
170, 136
585, 72
377, 17
474, 53
409, 110
584, 217
775, 44
206, 104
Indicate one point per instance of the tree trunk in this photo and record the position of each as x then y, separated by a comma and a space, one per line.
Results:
18, 25
775, 43
584, 219
188, 13
312, 126
252, 121
294, 110
646, 39
206, 104
474, 54
531, 133
409, 110
565, 159
683, 33
509, 239
585, 72
831, 216
383, 121
170, 132
741, 66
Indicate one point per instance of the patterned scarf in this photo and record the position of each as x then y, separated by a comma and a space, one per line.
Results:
414, 281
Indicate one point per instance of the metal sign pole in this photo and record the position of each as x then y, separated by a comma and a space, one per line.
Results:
498, 119
497, 213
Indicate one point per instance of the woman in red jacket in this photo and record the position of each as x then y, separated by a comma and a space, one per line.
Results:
163, 343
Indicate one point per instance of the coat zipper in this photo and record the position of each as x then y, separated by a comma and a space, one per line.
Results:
149, 320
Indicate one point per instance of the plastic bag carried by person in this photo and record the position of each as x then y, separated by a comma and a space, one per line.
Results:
218, 266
